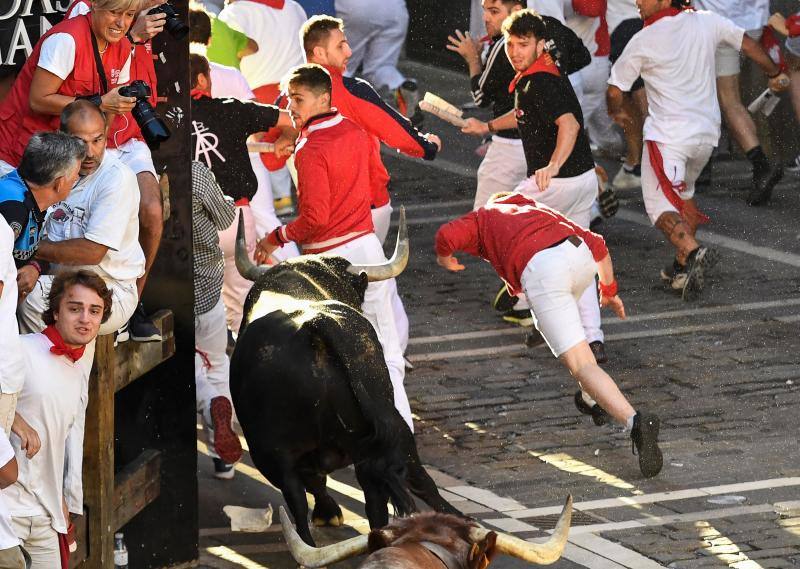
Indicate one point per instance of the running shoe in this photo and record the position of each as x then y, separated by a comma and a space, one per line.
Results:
222, 470
598, 414
283, 206
141, 327
764, 181
794, 166
697, 263
226, 441
644, 443
504, 300
522, 318
628, 178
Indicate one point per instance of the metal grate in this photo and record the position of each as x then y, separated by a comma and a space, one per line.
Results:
549, 522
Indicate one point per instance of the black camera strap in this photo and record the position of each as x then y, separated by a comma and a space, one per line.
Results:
98, 61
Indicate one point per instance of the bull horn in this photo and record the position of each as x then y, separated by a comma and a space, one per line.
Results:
538, 553
244, 265
394, 266
308, 556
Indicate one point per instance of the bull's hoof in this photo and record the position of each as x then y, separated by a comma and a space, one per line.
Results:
327, 513
336, 521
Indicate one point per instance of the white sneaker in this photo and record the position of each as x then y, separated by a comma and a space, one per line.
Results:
628, 179
122, 335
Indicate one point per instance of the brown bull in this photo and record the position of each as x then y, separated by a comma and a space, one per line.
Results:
430, 541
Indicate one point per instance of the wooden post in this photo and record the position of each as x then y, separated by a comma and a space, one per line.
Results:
98, 456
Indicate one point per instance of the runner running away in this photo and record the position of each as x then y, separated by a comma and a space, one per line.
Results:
552, 261
674, 55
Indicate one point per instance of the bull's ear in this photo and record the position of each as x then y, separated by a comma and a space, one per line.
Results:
482, 552
379, 538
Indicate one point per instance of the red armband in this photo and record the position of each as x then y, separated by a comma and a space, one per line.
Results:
609, 290
35, 265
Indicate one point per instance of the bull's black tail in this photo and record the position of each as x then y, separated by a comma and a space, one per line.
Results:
353, 340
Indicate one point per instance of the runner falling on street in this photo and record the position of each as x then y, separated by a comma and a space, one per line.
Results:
552, 260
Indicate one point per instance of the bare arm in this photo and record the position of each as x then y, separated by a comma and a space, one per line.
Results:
8, 473
78, 251
45, 99
605, 271
480, 128
249, 49
752, 49
568, 129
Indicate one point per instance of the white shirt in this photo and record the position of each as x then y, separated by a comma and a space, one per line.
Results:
675, 58
277, 33
8, 538
50, 402
747, 14
585, 27
12, 368
228, 82
103, 207
58, 57
552, 8
618, 11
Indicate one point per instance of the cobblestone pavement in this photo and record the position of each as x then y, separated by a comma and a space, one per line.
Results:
496, 422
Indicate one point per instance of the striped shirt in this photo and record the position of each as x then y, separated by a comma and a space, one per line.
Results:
212, 211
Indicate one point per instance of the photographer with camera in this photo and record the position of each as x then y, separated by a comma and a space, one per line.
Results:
133, 135
85, 57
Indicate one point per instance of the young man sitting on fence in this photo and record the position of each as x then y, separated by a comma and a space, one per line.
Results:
50, 416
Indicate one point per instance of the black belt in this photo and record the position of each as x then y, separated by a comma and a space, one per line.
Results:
574, 239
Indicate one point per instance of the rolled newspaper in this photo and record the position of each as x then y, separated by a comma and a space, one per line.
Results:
765, 102
442, 109
253, 146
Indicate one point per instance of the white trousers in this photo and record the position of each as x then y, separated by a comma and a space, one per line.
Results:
502, 169
376, 33
598, 124
211, 363
554, 282
573, 197
39, 539
124, 298
381, 219
377, 308
682, 165
234, 286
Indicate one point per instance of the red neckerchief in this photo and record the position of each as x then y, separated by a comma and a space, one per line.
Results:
665, 13
277, 4
544, 64
199, 94
59, 348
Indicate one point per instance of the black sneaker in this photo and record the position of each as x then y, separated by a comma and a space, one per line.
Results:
534, 338
644, 442
504, 300
522, 318
698, 261
223, 470
599, 351
598, 414
121, 335
764, 181
674, 275
142, 328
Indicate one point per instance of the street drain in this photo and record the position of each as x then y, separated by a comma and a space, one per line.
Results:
549, 522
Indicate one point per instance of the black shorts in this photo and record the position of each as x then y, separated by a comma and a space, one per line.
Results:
620, 38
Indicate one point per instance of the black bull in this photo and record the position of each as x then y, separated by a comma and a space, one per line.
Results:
312, 391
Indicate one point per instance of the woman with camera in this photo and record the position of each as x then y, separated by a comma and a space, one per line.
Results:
87, 57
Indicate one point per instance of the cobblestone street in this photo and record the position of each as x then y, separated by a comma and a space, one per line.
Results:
496, 422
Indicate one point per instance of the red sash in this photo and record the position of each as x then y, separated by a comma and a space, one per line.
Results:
544, 64
671, 191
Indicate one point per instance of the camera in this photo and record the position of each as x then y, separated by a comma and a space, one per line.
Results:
174, 24
153, 128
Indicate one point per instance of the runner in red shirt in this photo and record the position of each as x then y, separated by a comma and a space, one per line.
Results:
541, 253
336, 164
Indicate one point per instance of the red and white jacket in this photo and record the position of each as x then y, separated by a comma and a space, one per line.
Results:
358, 101
509, 232
335, 165
18, 122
